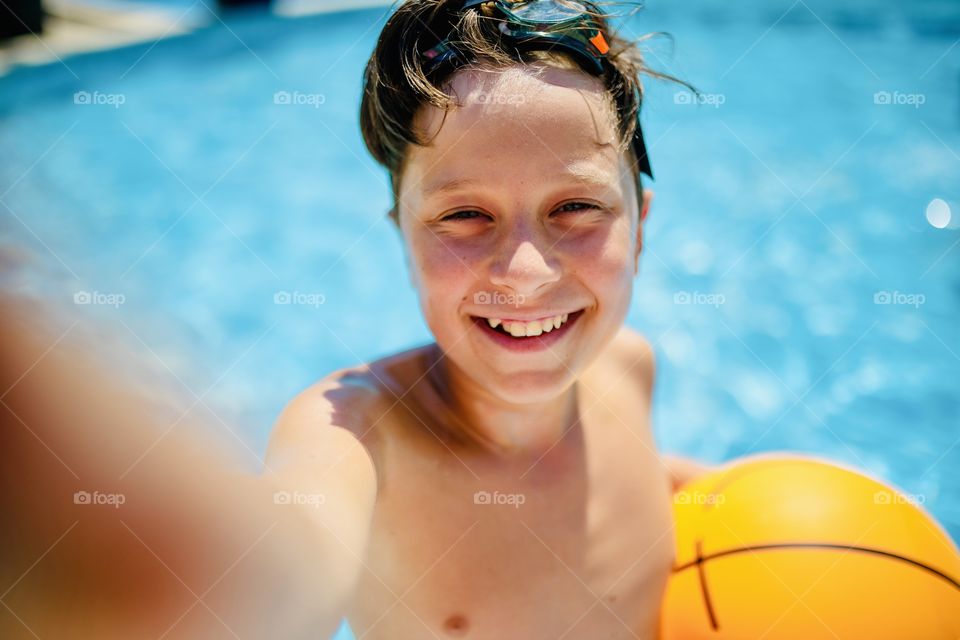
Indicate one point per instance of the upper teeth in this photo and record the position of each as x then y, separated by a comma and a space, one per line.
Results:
533, 328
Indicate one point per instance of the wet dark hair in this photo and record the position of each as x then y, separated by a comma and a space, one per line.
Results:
396, 83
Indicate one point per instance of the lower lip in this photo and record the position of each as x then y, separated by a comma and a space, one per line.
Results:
530, 343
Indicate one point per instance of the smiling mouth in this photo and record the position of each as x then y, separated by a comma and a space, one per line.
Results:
521, 329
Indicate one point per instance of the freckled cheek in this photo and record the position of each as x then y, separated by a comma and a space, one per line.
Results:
606, 270
604, 261
444, 274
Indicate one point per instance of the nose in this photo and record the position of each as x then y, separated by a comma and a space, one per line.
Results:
523, 262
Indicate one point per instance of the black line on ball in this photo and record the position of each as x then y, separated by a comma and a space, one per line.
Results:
703, 589
814, 545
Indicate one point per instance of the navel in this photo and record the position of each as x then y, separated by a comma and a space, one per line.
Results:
456, 625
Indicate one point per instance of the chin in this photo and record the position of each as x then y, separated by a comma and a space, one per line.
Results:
532, 387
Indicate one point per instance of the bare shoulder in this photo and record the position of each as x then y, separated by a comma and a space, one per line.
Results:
330, 416
338, 399
633, 355
341, 409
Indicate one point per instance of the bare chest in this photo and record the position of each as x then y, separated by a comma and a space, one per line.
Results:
576, 544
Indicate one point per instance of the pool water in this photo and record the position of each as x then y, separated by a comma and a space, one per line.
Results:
796, 292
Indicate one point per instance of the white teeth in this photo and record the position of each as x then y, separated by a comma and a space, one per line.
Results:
516, 329
533, 328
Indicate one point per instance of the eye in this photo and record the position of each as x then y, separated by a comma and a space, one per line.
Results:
462, 215
576, 206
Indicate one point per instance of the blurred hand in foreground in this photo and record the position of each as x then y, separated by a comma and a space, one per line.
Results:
120, 521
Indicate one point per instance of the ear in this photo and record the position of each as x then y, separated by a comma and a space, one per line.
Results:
645, 204
645, 200
394, 215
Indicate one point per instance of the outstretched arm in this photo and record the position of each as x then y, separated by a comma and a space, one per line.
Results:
120, 521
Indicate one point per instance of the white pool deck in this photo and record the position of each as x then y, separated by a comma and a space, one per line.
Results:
79, 26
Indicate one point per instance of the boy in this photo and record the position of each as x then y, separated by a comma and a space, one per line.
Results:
503, 481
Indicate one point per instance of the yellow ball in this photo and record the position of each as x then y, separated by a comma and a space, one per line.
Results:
785, 548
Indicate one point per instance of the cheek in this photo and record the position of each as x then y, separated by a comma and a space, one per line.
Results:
442, 276
604, 260
608, 275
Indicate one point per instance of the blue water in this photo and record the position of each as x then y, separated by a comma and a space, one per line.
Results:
785, 204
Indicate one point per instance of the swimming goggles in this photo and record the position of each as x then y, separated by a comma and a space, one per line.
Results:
546, 25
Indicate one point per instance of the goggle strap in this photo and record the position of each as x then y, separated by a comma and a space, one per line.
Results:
640, 150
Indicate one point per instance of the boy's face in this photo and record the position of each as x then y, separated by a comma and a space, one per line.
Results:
520, 208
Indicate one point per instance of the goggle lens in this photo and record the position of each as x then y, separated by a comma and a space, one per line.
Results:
547, 11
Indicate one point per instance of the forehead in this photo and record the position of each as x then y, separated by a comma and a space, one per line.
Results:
520, 122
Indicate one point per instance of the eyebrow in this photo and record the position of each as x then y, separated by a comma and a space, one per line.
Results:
584, 177
448, 186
